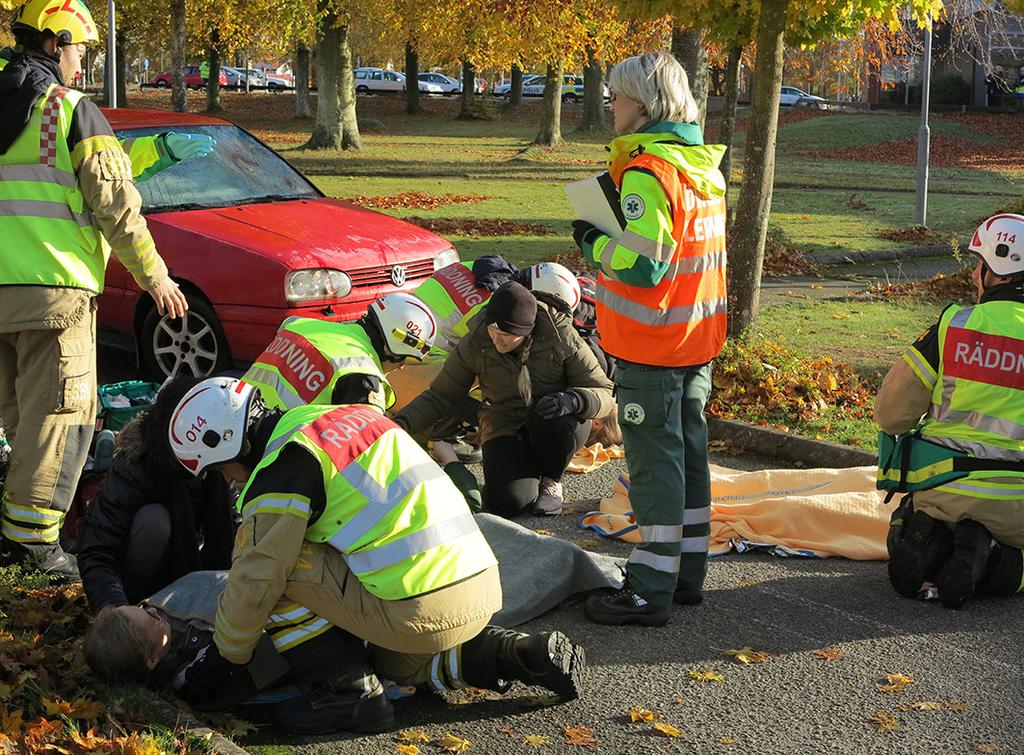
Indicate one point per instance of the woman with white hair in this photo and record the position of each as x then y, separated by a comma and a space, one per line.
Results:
661, 312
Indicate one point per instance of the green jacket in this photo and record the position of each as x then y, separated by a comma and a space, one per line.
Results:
556, 359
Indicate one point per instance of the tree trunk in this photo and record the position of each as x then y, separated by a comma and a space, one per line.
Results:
336, 126
515, 94
412, 77
593, 93
179, 95
550, 134
468, 90
688, 48
755, 202
213, 82
727, 137
302, 81
120, 76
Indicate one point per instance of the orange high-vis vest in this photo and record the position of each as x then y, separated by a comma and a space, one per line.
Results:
681, 321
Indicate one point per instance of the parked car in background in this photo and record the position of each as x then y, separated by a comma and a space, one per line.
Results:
277, 82
533, 86
505, 90
444, 84
251, 241
793, 97
192, 78
378, 80
237, 77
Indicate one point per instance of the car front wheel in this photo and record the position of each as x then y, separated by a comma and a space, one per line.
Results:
162, 83
190, 345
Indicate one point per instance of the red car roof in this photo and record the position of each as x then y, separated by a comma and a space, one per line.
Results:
129, 118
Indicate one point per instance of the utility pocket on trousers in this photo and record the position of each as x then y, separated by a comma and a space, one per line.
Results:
76, 388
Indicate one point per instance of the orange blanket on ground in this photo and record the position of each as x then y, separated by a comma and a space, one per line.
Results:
592, 457
814, 512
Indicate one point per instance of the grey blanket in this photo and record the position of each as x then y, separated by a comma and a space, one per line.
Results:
537, 574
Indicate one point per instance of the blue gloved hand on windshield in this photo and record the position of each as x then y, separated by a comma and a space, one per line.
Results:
189, 146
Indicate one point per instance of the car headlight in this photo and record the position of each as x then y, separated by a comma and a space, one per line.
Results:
446, 258
315, 285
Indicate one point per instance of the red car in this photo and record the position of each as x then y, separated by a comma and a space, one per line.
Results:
192, 79
251, 241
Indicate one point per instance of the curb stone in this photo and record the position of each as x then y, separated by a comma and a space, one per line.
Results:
216, 742
777, 444
881, 255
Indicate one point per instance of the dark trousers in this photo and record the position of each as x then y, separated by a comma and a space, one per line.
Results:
514, 464
145, 556
661, 411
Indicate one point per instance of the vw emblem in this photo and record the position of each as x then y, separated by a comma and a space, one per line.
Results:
398, 275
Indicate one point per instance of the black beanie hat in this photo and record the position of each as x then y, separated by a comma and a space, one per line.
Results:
513, 308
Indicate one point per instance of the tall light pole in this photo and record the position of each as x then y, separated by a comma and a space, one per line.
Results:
111, 56
923, 132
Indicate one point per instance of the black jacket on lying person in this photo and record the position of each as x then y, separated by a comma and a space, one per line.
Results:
144, 472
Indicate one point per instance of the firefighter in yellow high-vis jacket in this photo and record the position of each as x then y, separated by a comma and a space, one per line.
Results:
68, 199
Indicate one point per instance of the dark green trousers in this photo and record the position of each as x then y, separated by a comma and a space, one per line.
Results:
661, 411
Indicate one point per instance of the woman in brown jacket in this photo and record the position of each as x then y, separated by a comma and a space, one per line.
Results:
541, 386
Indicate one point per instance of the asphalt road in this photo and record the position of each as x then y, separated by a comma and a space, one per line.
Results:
968, 663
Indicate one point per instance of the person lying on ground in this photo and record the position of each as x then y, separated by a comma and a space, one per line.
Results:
541, 386
299, 653
344, 514
151, 521
957, 395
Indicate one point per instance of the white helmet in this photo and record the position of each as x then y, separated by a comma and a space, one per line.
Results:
208, 426
1000, 242
557, 280
407, 323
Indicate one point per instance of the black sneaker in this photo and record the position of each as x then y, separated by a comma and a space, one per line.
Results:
328, 708
624, 607
685, 597
961, 574
924, 547
548, 659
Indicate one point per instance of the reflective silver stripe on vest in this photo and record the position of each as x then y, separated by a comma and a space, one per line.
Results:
661, 533
976, 450
960, 319
691, 265
696, 544
667, 564
383, 556
34, 208
660, 317
277, 384
279, 442
985, 423
380, 500
342, 363
38, 173
697, 516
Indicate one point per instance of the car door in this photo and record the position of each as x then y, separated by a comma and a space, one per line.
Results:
788, 96
395, 82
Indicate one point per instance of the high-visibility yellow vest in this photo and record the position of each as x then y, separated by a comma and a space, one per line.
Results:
306, 358
978, 398
399, 521
47, 230
454, 298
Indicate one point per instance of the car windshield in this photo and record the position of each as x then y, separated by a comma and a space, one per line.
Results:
241, 170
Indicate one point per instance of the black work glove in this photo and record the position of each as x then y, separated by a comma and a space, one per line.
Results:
559, 404
583, 231
201, 680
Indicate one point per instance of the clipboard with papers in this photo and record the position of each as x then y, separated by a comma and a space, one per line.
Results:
596, 200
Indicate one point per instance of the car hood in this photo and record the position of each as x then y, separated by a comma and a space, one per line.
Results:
309, 233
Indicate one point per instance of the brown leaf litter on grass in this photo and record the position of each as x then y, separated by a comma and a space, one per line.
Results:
415, 200
915, 234
479, 228
954, 287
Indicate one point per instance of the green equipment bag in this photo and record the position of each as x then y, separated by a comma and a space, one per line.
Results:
119, 402
908, 462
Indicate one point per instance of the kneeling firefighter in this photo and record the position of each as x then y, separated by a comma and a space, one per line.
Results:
344, 514
961, 526
317, 362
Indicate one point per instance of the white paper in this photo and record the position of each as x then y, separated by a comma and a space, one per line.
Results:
591, 203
